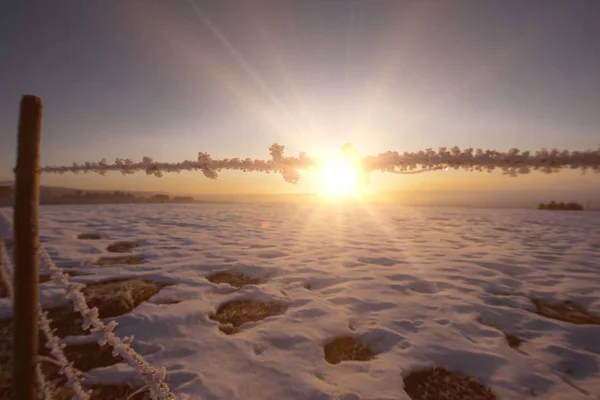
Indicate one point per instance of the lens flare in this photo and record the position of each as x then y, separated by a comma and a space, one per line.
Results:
339, 177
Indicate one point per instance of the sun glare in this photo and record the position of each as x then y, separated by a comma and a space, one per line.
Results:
339, 178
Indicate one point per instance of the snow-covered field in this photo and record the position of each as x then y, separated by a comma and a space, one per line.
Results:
422, 287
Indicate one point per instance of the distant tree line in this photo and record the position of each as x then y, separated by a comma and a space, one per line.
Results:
572, 206
95, 197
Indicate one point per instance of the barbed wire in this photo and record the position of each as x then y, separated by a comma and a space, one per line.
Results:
514, 162
52, 341
155, 378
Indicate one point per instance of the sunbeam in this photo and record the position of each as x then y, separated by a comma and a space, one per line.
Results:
239, 58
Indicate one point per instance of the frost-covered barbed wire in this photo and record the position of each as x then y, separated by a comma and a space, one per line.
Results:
67, 369
6, 270
153, 377
513, 162
45, 387
52, 341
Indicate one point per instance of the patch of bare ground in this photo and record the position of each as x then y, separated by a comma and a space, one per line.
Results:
89, 236
112, 298
123, 260
238, 312
235, 279
119, 296
347, 348
121, 247
438, 383
87, 356
566, 311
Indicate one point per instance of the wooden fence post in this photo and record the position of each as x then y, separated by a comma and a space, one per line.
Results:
1, 247
26, 243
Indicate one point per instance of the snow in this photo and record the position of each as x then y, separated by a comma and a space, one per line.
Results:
423, 287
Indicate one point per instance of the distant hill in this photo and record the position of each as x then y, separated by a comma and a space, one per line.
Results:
417, 198
59, 190
53, 191
64, 195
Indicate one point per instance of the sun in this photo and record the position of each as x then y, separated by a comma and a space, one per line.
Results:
339, 177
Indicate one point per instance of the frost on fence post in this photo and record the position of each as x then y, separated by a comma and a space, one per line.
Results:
514, 162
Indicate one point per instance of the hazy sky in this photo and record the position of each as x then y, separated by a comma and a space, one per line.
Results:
169, 78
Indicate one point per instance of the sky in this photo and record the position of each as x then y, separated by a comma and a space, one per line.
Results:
169, 78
